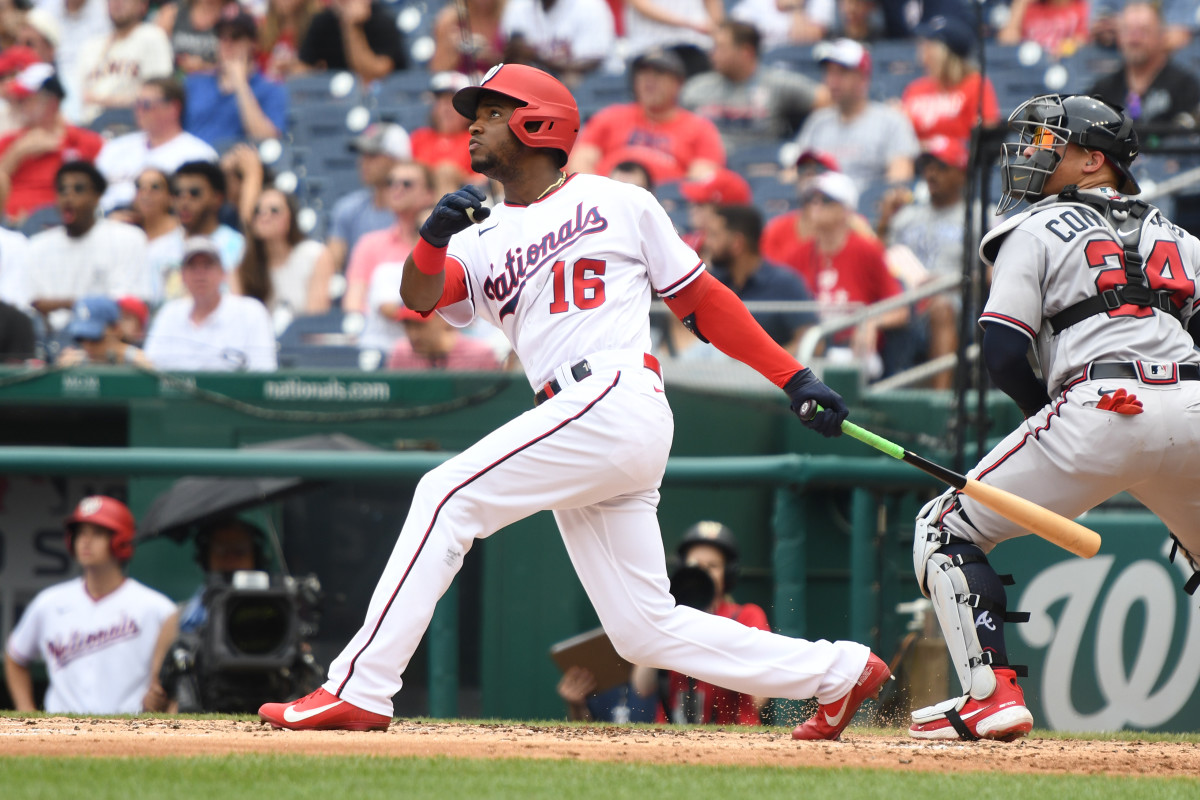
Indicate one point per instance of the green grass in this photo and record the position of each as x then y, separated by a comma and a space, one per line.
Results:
297, 778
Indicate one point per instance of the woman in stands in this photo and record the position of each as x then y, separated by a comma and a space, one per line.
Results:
948, 99
154, 213
278, 264
279, 36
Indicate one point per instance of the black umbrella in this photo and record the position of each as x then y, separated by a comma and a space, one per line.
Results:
190, 502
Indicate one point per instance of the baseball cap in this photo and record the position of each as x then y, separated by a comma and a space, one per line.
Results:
45, 24
837, 187
448, 82
383, 138
950, 31
33, 79
195, 245
92, 315
725, 187
950, 151
847, 52
17, 58
661, 60
826, 160
135, 306
236, 21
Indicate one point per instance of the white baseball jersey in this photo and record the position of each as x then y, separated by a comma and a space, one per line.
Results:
97, 652
569, 277
572, 273
1071, 455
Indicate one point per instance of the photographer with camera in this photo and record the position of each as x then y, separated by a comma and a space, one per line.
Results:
709, 552
240, 640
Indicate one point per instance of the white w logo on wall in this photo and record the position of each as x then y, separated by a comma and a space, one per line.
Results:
1144, 689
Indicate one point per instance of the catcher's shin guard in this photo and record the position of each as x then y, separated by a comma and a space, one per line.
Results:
968, 599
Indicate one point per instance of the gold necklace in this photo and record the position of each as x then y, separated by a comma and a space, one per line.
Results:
562, 177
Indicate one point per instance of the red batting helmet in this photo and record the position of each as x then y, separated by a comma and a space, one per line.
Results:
109, 513
549, 116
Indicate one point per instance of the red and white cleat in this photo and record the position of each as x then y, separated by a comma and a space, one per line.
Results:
1002, 716
321, 711
832, 718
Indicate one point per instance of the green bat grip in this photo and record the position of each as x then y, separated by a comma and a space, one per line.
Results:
809, 409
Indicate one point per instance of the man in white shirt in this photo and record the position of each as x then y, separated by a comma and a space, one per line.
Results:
112, 66
161, 142
86, 255
568, 37
211, 330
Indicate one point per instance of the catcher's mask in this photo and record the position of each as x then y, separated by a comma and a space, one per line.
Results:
1046, 124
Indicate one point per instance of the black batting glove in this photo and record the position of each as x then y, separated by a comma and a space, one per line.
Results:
804, 386
449, 216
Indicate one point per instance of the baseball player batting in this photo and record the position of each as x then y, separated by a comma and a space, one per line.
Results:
1104, 289
566, 267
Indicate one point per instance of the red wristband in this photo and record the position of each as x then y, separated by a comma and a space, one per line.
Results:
429, 259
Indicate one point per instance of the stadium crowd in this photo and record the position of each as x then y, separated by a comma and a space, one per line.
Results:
208, 185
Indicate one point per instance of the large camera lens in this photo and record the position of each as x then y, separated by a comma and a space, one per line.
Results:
257, 626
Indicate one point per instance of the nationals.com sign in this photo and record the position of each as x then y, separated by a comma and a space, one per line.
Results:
1113, 641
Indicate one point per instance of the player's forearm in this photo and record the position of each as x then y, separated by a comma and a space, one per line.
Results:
1004, 352
20, 684
420, 290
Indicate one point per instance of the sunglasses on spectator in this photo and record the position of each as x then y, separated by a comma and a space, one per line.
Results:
149, 186
274, 211
146, 105
79, 187
407, 183
820, 198
194, 192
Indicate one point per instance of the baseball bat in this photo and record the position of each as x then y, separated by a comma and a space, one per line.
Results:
1054, 528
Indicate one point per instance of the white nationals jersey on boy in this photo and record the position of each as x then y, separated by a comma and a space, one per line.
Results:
567, 275
1057, 253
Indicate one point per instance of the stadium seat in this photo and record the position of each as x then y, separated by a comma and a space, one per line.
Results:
772, 196
114, 122
601, 89
315, 329
757, 159
323, 87
323, 356
793, 58
40, 220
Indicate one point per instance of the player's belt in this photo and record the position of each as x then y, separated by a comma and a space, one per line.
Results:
581, 370
1144, 371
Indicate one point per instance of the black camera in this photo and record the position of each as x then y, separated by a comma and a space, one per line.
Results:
252, 647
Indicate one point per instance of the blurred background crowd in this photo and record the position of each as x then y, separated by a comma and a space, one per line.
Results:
214, 185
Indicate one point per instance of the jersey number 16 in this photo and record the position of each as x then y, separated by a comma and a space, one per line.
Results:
587, 287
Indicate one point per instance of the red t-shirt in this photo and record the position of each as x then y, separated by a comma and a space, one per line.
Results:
685, 137
936, 111
432, 148
33, 181
1053, 26
723, 706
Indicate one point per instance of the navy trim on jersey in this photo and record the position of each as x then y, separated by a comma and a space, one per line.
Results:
1013, 321
546, 196
674, 286
1036, 432
442, 504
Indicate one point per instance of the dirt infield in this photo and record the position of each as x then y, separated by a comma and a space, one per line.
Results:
760, 747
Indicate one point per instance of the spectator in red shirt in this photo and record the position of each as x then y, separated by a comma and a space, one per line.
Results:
946, 100
442, 146
1059, 26
31, 155
433, 343
842, 267
654, 130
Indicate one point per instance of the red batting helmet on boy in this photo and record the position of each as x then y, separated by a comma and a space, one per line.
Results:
107, 512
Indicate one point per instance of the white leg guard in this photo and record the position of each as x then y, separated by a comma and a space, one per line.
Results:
942, 580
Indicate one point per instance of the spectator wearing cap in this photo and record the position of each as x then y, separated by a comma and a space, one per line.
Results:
409, 196
133, 321
31, 156
237, 101
723, 187
159, 143
96, 331
442, 145
783, 232
950, 97
86, 254
113, 66
655, 130
748, 102
380, 147
432, 343
283, 28
568, 38
199, 189
356, 35
1149, 84
930, 232
873, 142
12, 61
684, 27
1060, 27
844, 268
210, 330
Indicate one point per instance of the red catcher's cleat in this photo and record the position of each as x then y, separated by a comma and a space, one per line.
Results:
832, 718
1001, 716
321, 711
